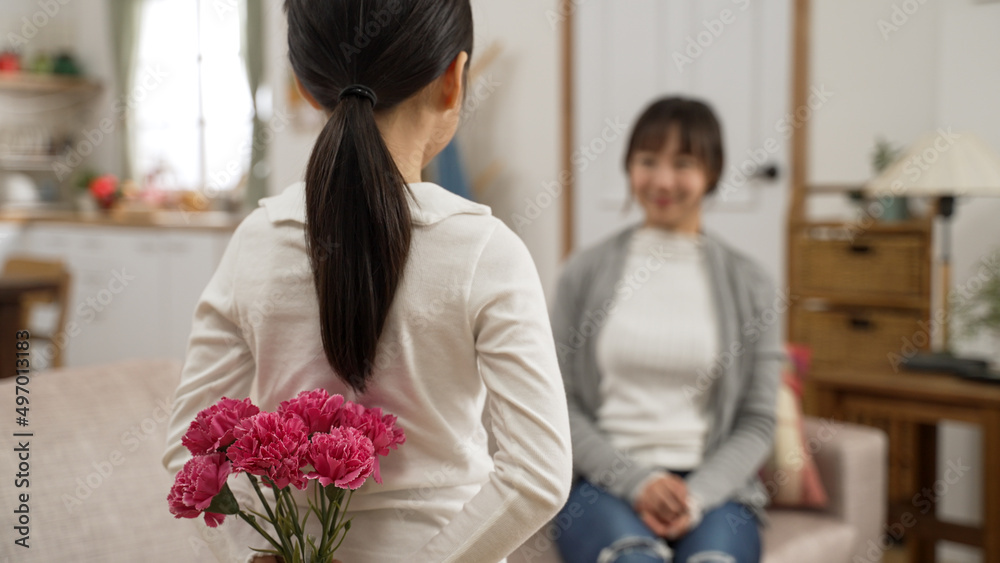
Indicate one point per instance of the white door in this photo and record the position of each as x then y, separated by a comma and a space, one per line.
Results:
734, 54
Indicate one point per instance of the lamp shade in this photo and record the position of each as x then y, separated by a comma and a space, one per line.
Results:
942, 164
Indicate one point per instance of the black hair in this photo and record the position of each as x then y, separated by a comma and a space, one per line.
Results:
358, 224
700, 133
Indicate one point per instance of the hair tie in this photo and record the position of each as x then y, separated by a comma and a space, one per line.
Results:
359, 90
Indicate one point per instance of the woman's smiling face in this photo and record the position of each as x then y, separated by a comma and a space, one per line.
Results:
669, 185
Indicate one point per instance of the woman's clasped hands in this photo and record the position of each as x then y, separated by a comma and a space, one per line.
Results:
664, 506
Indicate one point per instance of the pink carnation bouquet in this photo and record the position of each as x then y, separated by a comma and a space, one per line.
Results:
313, 437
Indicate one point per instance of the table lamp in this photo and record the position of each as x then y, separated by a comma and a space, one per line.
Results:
944, 165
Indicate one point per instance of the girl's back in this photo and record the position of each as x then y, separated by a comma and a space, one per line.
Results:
395, 293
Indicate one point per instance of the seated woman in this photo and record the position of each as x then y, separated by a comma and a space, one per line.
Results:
670, 371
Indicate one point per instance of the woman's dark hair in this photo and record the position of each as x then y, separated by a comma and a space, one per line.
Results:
358, 224
700, 133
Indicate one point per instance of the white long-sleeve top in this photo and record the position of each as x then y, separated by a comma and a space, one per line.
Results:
657, 343
468, 330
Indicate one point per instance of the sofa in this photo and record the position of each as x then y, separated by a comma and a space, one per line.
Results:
852, 466
96, 491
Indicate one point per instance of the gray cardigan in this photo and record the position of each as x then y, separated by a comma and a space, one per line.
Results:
743, 381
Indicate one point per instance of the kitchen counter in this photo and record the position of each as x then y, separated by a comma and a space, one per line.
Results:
201, 220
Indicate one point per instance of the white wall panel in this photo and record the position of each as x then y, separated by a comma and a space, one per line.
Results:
731, 53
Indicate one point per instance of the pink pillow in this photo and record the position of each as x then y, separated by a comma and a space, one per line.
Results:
790, 475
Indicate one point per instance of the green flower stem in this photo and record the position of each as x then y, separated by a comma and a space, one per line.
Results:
321, 512
328, 517
343, 513
253, 522
324, 518
340, 525
293, 513
321, 498
267, 507
284, 524
330, 507
289, 514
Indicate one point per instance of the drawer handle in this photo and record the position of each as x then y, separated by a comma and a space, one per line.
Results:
861, 324
861, 248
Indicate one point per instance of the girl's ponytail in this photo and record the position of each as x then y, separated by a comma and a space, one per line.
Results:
358, 235
357, 58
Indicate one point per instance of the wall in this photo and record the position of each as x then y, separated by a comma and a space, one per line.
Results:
967, 97
289, 153
884, 83
514, 120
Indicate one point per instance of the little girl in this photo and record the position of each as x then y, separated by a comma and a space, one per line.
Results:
367, 282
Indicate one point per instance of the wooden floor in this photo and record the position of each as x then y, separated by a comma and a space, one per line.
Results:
897, 555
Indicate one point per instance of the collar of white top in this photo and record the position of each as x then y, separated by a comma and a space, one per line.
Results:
658, 234
429, 204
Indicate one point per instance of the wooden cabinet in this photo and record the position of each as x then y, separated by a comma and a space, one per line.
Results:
134, 289
865, 304
909, 409
887, 263
863, 296
187, 261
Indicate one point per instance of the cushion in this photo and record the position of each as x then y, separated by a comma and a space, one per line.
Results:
796, 536
790, 475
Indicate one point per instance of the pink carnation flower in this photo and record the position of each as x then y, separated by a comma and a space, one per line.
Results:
344, 457
202, 478
380, 429
212, 429
271, 445
213, 519
316, 408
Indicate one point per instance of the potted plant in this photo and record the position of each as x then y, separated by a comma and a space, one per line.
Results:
895, 208
102, 189
977, 304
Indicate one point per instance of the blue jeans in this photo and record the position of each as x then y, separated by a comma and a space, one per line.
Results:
596, 527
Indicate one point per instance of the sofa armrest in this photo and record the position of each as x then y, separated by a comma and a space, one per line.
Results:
853, 464
98, 490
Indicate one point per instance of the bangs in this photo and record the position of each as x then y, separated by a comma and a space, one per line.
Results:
691, 123
655, 136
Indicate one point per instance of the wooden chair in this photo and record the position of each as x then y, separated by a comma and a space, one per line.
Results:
32, 267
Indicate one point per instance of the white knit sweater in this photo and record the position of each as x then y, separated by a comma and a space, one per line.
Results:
468, 330
656, 342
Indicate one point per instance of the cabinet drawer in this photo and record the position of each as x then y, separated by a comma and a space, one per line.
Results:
859, 338
875, 265
48, 241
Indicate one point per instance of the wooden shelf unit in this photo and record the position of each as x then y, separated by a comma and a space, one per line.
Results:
32, 83
863, 300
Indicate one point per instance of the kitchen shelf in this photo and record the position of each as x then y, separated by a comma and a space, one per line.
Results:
161, 218
31, 83
41, 117
28, 163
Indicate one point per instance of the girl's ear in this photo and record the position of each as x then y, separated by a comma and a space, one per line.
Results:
305, 94
451, 82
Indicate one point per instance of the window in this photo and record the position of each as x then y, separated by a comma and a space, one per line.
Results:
194, 128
